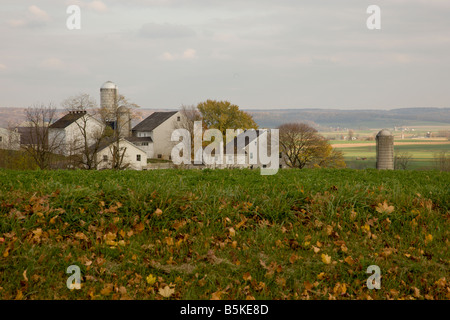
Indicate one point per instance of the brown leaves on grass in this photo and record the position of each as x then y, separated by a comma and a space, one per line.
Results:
384, 207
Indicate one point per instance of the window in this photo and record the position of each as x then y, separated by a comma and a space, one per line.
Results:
1, 139
159, 156
105, 157
145, 143
251, 155
138, 157
178, 118
280, 155
170, 157
264, 166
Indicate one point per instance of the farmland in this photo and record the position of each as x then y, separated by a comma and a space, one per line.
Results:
224, 234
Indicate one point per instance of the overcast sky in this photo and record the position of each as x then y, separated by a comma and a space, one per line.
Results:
257, 54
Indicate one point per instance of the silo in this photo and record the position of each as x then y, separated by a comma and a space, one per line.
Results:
124, 121
108, 98
385, 150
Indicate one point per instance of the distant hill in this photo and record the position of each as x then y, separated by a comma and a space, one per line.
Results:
321, 118
354, 119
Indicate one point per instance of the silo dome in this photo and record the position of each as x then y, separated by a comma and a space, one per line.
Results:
109, 85
122, 109
384, 133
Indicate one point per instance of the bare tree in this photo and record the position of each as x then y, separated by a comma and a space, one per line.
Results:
442, 160
83, 150
39, 145
302, 145
401, 160
118, 126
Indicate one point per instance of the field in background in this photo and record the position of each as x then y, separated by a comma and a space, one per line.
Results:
361, 153
224, 234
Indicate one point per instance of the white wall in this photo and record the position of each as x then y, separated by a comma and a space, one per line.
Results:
72, 135
9, 140
131, 153
162, 134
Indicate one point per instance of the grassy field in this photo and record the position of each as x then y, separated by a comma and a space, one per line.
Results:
224, 234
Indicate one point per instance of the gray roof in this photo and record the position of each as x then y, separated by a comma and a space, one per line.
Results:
139, 139
153, 121
68, 119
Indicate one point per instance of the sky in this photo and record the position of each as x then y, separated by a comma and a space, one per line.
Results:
257, 54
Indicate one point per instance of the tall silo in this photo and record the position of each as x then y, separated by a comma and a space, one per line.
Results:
124, 121
385, 150
108, 97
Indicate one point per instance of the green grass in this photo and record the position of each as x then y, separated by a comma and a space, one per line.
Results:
119, 227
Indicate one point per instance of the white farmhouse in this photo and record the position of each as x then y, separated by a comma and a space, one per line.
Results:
72, 129
134, 157
159, 127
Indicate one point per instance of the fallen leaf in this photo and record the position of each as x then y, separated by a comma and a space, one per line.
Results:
158, 212
166, 292
384, 207
326, 258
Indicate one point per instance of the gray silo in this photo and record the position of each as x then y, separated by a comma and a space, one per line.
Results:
124, 121
108, 97
385, 150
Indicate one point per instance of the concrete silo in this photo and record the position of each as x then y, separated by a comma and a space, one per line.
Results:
124, 121
385, 150
108, 99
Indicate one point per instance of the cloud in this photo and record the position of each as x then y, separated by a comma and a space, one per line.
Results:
2, 66
98, 6
188, 54
34, 17
166, 30
38, 13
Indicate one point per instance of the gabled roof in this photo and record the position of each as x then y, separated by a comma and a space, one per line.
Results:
153, 121
68, 119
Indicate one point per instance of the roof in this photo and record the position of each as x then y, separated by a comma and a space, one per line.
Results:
153, 121
139, 139
68, 119
31, 135
110, 140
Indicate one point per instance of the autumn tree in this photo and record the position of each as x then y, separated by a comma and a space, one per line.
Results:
223, 115
303, 146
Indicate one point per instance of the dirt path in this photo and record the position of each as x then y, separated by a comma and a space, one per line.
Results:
353, 145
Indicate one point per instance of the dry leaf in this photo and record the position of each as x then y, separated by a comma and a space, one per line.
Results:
326, 258
349, 260
384, 207
293, 258
158, 212
166, 292
247, 276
